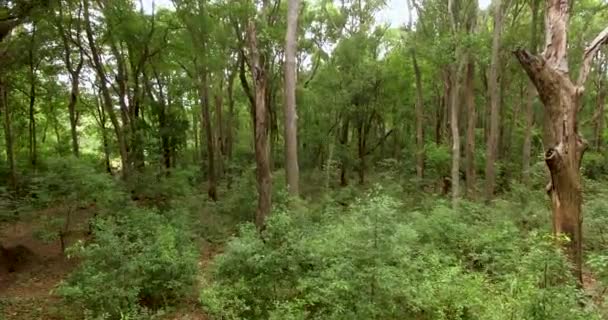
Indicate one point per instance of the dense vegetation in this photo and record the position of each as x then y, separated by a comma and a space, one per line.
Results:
305, 159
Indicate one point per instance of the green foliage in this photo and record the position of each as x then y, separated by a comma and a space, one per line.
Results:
138, 258
160, 189
438, 159
377, 261
594, 165
73, 183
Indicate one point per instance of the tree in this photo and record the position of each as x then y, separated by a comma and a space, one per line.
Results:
562, 99
291, 125
262, 148
64, 27
107, 98
495, 100
530, 94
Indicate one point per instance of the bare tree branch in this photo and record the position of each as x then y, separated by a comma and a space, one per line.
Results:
590, 53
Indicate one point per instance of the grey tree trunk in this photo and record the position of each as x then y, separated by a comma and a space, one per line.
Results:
469, 92
494, 87
292, 170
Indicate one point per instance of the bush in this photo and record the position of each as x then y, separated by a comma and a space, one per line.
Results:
138, 258
69, 184
379, 262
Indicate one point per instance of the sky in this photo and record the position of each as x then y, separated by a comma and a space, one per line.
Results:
395, 12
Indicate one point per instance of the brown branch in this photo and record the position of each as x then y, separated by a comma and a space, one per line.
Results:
589, 54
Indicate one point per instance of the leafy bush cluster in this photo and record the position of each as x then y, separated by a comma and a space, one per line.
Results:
379, 261
138, 258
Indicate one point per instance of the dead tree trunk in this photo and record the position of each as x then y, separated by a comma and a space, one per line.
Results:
562, 99
262, 150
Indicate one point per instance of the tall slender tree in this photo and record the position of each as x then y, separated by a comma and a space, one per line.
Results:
291, 118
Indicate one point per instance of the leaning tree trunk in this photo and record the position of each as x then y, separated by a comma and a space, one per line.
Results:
262, 150
105, 92
562, 99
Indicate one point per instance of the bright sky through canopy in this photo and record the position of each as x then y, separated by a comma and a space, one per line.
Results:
395, 12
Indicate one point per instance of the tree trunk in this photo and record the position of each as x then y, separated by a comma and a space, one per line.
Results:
419, 118
206, 130
231, 116
219, 127
196, 133
469, 92
454, 113
262, 150
344, 153
72, 113
32, 118
562, 99
529, 106
292, 170
8, 137
598, 128
361, 150
32, 105
107, 98
494, 87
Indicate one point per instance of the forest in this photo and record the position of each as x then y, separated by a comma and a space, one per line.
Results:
303, 159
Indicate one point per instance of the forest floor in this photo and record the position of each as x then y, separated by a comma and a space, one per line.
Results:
26, 293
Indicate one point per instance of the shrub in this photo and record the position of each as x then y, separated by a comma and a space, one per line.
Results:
70, 183
377, 261
138, 258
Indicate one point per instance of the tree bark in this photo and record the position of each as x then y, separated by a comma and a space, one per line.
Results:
292, 170
529, 106
344, 153
8, 137
107, 98
102, 120
562, 99
494, 87
32, 115
206, 130
598, 128
262, 150
454, 113
66, 38
419, 118
219, 128
469, 92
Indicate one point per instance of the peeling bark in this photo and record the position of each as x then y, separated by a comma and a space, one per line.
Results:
562, 101
262, 150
